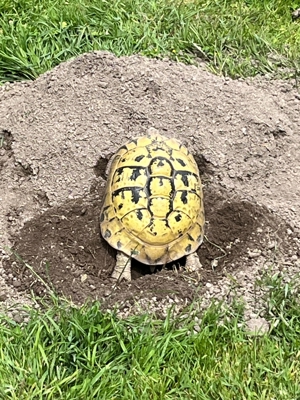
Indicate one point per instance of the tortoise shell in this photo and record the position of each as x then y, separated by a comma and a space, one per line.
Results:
153, 206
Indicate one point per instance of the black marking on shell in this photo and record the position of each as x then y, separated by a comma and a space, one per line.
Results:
107, 234
166, 222
190, 237
139, 214
117, 192
181, 162
151, 227
161, 163
139, 158
119, 244
183, 197
153, 233
134, 141
101, 217
161, 183
135, 193
188, 248
184, 177
158, 147
178, 218
118, 174
147, 190
120, 206
149, 259
105, 209
135, 174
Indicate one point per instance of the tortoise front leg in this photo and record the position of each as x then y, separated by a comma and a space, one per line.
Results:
192, 263
122, 268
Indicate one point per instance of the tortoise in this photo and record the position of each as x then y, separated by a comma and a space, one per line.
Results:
153, 204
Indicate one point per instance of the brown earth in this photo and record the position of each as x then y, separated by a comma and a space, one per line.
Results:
56, 135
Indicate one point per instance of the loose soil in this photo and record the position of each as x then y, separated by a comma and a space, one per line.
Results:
56, 136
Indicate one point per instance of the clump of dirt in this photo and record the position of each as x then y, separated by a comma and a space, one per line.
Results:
57, 134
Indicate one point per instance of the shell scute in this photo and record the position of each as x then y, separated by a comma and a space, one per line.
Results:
187, 202
160, 166
128, 177
128, 199
179, 222
161, 186
157, 233
136, 221
184, 180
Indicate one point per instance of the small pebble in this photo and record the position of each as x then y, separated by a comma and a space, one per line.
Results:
254, 254
103, 85
257, 326
18, 318
3, 296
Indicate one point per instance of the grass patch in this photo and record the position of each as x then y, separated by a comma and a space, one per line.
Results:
70, 353
235, 38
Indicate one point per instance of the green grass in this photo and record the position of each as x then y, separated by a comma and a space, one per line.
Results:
235, 38
69, 353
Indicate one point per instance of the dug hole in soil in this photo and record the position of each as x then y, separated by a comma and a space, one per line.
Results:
56, 135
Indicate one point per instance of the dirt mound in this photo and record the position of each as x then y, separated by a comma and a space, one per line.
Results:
57, 133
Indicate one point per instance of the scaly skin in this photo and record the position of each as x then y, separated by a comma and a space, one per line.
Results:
192, 263
122, 268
